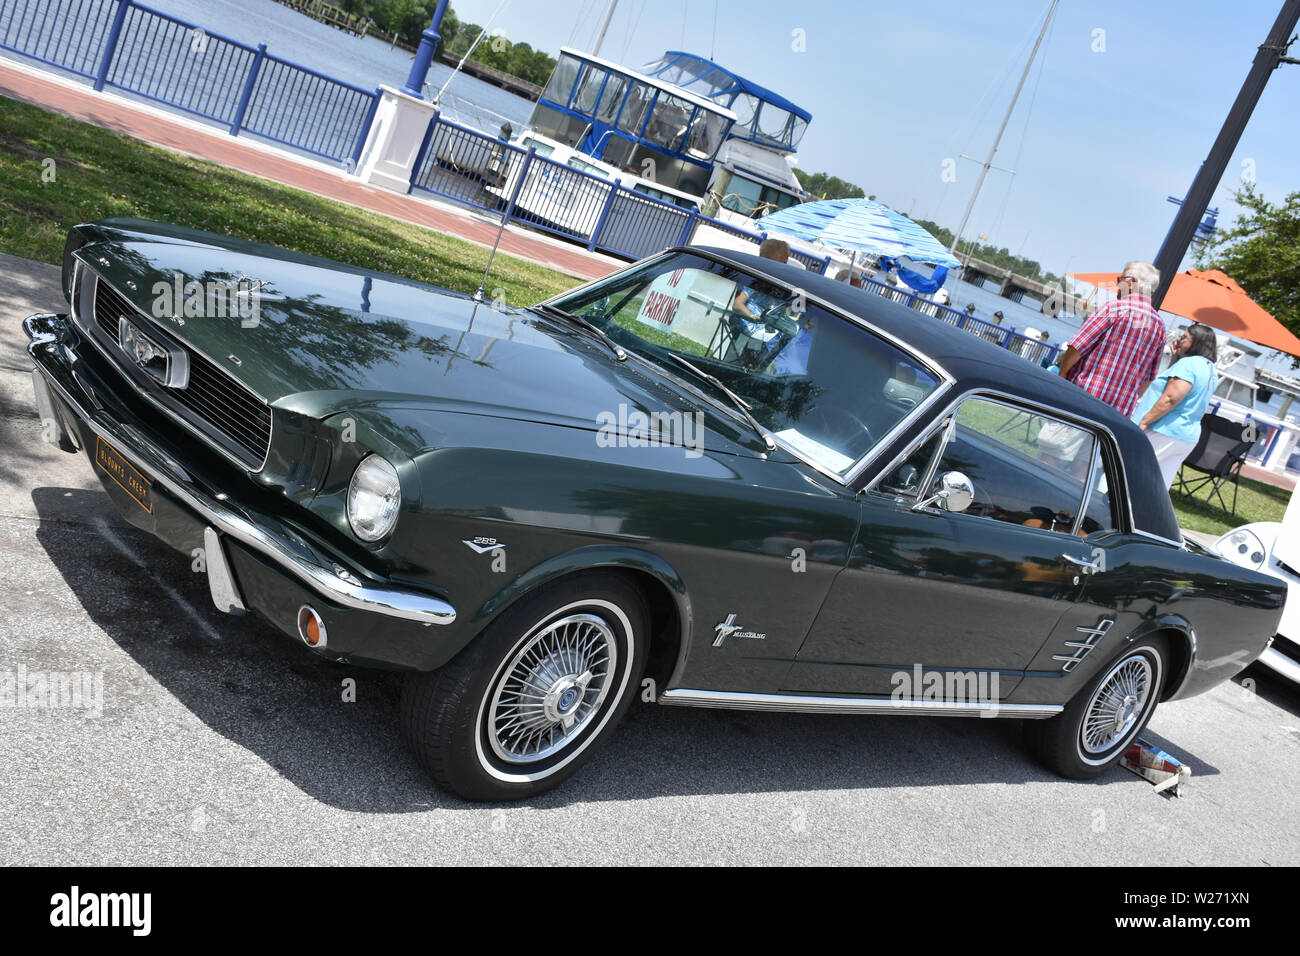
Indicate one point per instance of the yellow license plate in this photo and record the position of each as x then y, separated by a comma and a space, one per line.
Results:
123, 473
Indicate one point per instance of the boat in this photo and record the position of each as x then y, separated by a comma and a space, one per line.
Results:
682, 130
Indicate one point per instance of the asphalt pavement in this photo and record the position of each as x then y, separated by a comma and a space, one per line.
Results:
214, 739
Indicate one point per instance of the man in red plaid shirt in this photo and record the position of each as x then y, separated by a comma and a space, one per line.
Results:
1118, 349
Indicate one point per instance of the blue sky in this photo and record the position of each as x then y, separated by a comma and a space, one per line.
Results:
1109, 124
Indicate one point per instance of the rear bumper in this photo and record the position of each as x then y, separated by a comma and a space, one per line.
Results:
183, 510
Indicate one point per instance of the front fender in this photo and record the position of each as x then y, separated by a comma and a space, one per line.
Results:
586, 559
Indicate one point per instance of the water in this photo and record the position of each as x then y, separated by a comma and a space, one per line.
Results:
365, 62
1020, 315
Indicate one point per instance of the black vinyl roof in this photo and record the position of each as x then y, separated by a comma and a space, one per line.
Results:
977, 364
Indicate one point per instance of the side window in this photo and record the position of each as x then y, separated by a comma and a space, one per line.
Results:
904, 480
1026, 469
1100, 513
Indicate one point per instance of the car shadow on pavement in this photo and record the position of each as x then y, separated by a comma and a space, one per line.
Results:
1271, 687
261, 690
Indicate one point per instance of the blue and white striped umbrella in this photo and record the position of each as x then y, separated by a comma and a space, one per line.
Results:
863, 225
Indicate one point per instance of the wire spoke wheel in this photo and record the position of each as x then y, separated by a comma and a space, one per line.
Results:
1118, 705
552, 689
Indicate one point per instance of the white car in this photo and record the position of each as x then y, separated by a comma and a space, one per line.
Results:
1275, 549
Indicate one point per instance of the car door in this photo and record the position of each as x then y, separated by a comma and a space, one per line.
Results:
1129, 581
958, 593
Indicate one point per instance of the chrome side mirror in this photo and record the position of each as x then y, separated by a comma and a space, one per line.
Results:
955, 493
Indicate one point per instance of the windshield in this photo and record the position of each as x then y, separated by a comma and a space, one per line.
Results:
826, 388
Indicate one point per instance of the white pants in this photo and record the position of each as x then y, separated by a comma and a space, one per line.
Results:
1170, 453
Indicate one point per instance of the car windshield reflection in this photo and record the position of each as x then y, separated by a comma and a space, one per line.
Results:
826, 388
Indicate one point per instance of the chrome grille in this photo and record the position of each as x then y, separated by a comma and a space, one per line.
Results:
212, 398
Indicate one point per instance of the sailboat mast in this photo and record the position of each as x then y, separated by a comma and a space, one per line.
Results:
604, 25
984, 171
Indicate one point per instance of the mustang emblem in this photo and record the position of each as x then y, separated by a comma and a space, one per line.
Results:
248, 285
729, 627
170, 367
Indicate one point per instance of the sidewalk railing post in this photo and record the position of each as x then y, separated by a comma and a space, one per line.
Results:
523, 174
688, 228
110, 45
247, 93
604, 214
365, 131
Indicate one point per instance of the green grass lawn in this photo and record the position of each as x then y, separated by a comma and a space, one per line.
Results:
1256, 501
98, 173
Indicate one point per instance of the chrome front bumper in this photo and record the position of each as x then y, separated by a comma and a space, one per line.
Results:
55, 374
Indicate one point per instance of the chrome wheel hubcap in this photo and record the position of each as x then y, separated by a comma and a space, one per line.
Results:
1118, 705
551, 689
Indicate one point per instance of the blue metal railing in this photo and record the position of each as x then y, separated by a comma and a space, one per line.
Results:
480, 170
299, 107
133, 47
69, 35
1034, 350
176, 63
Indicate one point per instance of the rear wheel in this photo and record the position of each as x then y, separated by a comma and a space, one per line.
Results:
1102, 721
533, 697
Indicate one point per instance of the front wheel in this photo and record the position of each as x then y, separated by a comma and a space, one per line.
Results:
1102, 721
533, 697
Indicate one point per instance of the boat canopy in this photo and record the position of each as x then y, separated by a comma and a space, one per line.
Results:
640, 124
761, 115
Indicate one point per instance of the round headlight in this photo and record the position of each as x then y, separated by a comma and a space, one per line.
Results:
1242, 547
374, 497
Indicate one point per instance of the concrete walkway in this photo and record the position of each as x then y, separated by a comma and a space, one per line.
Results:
161, 128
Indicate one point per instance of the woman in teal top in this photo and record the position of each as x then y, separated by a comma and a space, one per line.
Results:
1170, 411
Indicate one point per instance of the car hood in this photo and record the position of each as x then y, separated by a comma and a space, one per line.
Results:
324, 337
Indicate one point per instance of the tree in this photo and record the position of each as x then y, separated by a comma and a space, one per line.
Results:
1262, 253
826, 186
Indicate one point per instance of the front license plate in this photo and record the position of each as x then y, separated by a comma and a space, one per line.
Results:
123, 473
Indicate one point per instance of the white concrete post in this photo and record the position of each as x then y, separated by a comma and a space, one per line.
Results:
393, 145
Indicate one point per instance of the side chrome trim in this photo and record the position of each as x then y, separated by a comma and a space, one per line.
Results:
1156, 537
802, 703
349, 592
1088, 487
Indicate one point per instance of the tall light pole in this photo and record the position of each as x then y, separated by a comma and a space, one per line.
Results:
1268, 57
988, 163
424, 55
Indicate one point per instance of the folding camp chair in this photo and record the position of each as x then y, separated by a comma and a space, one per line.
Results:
1218, 456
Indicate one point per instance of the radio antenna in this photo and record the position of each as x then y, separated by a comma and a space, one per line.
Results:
478, 296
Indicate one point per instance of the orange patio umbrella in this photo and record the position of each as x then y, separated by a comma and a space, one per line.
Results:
1214, 299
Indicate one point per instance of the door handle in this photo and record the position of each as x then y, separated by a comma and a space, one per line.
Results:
1084, 567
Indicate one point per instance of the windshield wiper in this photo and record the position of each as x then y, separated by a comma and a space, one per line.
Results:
590, 327
741, 405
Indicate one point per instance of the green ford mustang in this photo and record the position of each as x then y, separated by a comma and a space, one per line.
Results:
706, 480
